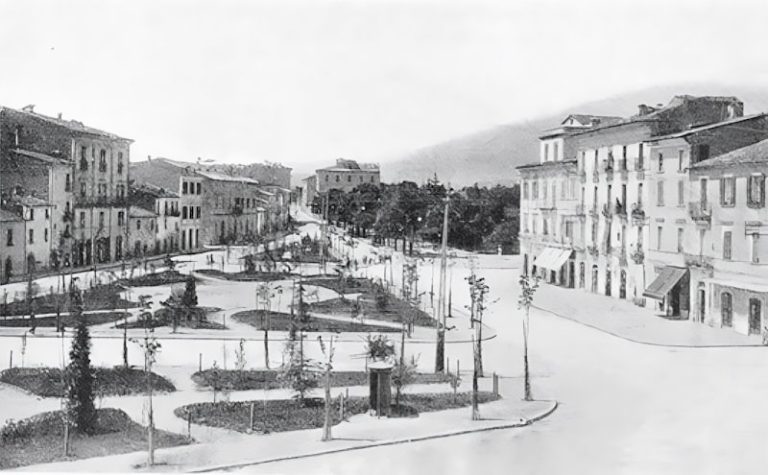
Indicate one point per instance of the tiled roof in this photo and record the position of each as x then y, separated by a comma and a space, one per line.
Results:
546, 164
6, 216
203, 171
136, 212
750, 155
715, 125
156, 191
41, 156
72, 125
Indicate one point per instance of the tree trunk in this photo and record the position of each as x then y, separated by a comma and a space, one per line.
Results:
526, 373
150, 418
475, 409
266, 347
327, 426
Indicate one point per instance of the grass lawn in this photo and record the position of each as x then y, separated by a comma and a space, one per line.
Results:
279, 321
393, 312
287, 414
67, 320
102, 297
117, 381
351, 285
40, 439
246, 277
233, 380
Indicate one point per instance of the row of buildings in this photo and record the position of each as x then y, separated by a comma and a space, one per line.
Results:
665, 208
71, 197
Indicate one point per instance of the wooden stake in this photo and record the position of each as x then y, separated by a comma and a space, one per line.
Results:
200, 362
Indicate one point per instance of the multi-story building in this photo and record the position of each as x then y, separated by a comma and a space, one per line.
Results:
216, 208
141, 232
346, 175
165, 204
36, 214
12, 247
674, 208
80, 171
728, 235
605, 253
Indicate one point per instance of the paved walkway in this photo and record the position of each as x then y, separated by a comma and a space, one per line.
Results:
224, 449
638, 324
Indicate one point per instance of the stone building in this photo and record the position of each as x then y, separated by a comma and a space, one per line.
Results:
216, 208
346, 175
165, 204
602, 248
82, 174
728, 232
12, 245
141, 232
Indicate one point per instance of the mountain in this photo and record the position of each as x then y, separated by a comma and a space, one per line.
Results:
490, 156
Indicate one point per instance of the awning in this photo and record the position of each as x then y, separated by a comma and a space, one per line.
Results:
552, 258
667, 278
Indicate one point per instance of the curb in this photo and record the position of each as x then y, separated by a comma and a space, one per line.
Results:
516, 425
648, 343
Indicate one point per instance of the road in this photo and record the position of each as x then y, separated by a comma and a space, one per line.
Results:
625, 408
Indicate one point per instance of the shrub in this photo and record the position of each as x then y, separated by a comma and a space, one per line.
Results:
15, 431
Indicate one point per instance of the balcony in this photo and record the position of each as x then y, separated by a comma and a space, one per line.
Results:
607, 211
69, 216
595, 176
697, 260
593, 211
623, 258
621, 211
637, 255
700, 213
236, 210
101, 202
608, 167
546, 205
638, 214
593, 250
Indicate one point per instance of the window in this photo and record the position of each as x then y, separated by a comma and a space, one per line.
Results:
326, 178
349, 178
594, 232
184, 188
199, 187
31, 214
31, 236
67, 183
546, 227
82, 190
728, 191
138, 224
640, 194
119, 163
640, 158
151, 225
101, 219
661, 162
679, 239
83, 159
639, 237
755, 248
120, 218
525, 190
338, 178
756, 191
82, 219
555, 151
727, 238
45, 235
198, 212
660, 193
546, 152
183, 212
680, 193
726, 308
624, 157
596, 161
659, 231
372, 177
562, 189
9, 238
594, 198
544, 190
102, 160
535, 190
680, 154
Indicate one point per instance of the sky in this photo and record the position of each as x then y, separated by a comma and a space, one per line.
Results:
302, 83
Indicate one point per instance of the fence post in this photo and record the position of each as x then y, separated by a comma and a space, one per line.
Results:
200, 362
495, 384
10, 361
250, 426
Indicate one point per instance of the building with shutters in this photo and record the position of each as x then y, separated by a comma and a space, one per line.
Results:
346, 175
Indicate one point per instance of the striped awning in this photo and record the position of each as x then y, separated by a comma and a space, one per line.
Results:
667, 278
552, 258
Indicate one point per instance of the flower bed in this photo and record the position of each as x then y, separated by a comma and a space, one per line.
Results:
233, 380
244, 276
117, 381
282, 321
102, 297
66, 320
288, 414
38, 439
158, 278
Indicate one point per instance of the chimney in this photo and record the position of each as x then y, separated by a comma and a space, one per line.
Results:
29, 108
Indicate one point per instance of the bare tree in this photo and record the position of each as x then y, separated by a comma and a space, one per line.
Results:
528, 288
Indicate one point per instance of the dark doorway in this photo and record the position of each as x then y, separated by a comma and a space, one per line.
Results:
702, 305
726, 309
755, 316
571, 274
525, 264
608, 282
623, 285
581, 275
594, 278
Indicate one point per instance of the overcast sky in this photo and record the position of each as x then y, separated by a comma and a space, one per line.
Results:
303, 83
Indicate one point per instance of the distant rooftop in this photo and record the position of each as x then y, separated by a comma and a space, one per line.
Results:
156, 191
203, 170
72, 125
343, 165
694, 130
755, 154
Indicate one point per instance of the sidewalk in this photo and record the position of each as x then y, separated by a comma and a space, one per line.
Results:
359, 432
630, 322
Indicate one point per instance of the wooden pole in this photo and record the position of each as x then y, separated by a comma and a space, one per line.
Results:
200, 362
440, 314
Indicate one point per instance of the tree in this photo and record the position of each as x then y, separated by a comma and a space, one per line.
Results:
264, 296
79, 374
170, 264
189, 300
150, 347
240, 360
328, 353
299, 373
478, 290
528, 286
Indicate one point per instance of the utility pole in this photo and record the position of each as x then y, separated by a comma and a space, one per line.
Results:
440, 314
